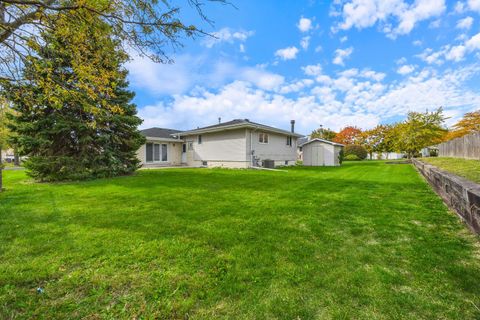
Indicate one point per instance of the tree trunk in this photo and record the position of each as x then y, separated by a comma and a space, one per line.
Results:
1, 168
16, 158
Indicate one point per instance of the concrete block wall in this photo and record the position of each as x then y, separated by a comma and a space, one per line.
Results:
460, 195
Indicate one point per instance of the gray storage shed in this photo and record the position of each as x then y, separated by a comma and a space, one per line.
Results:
320, 152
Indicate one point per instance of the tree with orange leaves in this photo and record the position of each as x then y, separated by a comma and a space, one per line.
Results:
349, 135
469, 124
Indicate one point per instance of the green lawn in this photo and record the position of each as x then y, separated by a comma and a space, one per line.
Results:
469, 169
368, 240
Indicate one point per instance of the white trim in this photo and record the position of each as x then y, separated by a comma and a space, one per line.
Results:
265, 135
157, 139
322, 140
153, 154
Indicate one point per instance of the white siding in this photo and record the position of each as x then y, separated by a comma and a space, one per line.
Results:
276, 148
318, 153
329, 154
225, 146
387, 155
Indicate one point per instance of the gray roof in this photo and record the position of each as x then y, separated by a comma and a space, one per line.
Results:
321, 140
235, 124
159, 132
301, 140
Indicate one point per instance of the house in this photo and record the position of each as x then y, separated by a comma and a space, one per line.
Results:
387, 155
320, 152
431, 151
239, 143
8, 155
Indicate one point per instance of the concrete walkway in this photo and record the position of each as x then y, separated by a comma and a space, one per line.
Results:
14, 168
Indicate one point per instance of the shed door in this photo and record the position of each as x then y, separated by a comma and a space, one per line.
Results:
317, 155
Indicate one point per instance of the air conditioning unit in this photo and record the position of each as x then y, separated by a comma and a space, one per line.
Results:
268, 164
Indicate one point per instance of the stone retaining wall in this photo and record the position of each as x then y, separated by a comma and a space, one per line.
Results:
459, 194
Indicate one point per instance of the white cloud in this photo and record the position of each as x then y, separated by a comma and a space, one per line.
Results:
343, 39
456, 53
417, 43
261, 78
296, 86
405, 69
305, 42
459, 7
369, 74
474, 5
435, 24
189, 71
349, 98
366, 13
305, 24
341, 55
453, 53
465, 23
287, 53
474, 42
318, 48
227, 35
312, 70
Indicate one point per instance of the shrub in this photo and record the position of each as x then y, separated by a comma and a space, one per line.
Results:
351, 157
341, 156
354, 149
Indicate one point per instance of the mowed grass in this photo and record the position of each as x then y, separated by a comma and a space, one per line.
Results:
466, 168
368, 240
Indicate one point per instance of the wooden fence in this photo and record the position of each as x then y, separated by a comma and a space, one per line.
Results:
467, 147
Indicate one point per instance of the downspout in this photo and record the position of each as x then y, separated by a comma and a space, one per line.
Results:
251, 146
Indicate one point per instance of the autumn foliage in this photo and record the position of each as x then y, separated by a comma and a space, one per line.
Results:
469, 124
349, 135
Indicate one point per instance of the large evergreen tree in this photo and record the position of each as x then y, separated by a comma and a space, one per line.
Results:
75, 132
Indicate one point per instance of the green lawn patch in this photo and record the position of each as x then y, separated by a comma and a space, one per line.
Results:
367, 240
469, 169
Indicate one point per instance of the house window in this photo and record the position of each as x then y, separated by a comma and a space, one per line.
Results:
149, 152
164, 152
289, 141
263, 137
190, 145
199, 139
155, 152
184, 148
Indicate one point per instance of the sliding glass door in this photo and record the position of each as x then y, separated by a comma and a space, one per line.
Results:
156, 152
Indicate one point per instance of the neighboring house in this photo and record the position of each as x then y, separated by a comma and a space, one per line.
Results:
431, 151
387, 155
320, 152
238, 143
8, 155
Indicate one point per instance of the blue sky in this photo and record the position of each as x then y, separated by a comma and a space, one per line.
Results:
334, 63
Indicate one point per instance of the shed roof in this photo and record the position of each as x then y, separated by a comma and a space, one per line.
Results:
323, 141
